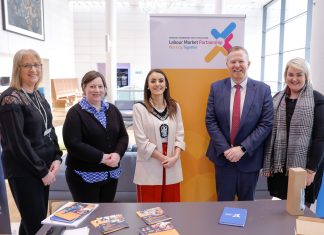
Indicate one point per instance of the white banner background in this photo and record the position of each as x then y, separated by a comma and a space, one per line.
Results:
184, 41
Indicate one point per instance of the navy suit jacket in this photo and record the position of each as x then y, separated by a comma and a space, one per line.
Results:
255, 124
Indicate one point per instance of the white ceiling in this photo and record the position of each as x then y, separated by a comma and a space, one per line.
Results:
248, 4
200, 3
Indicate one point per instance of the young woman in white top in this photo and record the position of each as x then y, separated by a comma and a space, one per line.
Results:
159, 136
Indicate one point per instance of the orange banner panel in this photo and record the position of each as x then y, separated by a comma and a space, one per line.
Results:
190, 87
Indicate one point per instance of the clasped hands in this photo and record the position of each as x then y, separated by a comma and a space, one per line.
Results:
51, 175
234, 154
111, 159
168, 162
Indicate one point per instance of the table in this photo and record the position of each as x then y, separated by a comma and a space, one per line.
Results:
264, 217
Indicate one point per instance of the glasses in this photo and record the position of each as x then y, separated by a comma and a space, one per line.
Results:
30, 66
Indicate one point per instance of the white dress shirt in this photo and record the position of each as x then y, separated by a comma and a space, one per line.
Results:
243, 92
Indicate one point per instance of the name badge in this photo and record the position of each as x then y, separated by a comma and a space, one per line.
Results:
47, 131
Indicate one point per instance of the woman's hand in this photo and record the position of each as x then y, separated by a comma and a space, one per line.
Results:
310, 177
170, 161
266, 174
49, 178
55, 166
111, 159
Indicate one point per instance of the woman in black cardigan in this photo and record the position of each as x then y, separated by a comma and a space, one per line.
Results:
96, 138
30, 152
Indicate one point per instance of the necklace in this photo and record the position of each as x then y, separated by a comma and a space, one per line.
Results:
158, 108
40, 108
162, 116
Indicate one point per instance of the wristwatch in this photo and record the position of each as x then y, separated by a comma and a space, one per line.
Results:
243, 149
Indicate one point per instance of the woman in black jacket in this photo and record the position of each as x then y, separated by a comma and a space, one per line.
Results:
31, 155
297, 138
96, 138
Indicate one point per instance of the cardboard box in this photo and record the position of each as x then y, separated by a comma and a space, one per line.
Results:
309, 226
296, 188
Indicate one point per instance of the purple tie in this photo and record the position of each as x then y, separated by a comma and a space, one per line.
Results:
236, 113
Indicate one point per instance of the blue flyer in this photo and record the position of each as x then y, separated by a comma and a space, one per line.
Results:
233, 216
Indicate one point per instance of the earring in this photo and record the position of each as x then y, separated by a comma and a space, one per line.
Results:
148, 88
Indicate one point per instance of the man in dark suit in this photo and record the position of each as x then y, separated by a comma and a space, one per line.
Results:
239, 117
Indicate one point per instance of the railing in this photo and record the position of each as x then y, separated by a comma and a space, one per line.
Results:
129, 93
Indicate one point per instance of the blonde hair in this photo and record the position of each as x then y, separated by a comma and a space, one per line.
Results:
16, 81
300, 64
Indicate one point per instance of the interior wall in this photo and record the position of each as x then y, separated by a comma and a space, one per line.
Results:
133, 37
252, 37
133, 42
89, 34
58, 47
75, 39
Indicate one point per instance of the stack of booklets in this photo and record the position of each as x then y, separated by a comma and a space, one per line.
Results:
162, 228
71, 214
158, 222
233, 216
109, 224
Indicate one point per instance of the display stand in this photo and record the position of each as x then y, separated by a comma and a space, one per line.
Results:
4, 210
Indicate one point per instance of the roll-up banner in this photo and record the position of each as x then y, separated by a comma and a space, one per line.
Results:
192, 50
4, 210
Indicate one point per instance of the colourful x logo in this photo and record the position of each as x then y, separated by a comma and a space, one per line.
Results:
222, 41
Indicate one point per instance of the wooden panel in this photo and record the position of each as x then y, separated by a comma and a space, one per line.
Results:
64, 91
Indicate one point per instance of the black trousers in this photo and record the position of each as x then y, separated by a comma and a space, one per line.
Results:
31, 198
82, 191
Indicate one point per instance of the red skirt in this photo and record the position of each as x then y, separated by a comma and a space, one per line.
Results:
159, 193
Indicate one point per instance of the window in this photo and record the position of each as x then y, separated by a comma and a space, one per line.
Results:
295, 33
285, 28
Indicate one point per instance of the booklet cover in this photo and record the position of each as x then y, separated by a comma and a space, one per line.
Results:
162, 228
109, 224
233, 216
153, 215
71, 214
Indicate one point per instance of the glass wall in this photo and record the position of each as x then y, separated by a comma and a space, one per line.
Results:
286, 34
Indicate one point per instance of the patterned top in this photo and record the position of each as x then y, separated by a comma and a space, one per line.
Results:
99, 115
93, 177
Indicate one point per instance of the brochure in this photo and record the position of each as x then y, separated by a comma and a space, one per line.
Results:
109, 224
233, 216
162, 228
153, 215
71, 214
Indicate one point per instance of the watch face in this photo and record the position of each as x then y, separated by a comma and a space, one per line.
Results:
243, 149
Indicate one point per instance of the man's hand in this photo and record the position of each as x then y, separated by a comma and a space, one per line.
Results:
234, 154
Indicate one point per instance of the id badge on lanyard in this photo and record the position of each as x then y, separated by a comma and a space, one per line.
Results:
47, 132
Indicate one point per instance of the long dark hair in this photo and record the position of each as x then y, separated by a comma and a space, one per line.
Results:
170, 102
